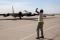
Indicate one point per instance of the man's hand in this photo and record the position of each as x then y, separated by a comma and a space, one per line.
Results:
36, 8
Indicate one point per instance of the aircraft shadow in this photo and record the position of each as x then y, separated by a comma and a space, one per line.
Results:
20, 19
34, 19
9, 19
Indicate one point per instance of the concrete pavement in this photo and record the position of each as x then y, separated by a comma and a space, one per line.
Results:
25, 29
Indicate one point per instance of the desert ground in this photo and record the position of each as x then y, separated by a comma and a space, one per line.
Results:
25, 29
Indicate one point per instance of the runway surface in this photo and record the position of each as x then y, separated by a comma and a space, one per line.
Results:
25, 29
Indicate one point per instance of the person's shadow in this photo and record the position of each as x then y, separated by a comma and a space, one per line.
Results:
45, 39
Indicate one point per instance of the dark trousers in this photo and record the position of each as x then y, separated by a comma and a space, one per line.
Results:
40, 27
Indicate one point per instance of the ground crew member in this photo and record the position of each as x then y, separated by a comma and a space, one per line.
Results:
40, 23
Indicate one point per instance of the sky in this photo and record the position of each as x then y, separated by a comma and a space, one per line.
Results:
49, 6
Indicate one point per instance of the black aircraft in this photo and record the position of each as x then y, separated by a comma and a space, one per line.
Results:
20, 14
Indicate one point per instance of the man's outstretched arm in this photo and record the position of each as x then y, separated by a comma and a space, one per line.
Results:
36, 10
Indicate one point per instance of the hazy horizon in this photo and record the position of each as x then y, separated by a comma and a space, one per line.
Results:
49, 6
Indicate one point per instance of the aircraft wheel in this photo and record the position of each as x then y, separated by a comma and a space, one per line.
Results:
20, 17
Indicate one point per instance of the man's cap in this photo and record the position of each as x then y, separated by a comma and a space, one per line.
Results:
41, 11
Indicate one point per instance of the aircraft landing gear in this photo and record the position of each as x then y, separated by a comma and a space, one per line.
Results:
20, 17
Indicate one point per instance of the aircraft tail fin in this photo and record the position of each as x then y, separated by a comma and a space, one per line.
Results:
12, 10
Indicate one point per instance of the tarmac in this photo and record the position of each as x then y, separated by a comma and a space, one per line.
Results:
25, 29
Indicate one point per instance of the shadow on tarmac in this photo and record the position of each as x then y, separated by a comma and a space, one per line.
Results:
8, 19
34, 19
45, 39
20, 19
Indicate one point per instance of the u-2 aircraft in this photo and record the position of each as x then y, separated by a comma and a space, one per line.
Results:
20, 14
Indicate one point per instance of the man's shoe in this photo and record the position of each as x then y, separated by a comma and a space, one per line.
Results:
42, 37
37, 37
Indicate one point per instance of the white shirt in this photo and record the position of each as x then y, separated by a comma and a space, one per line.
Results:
40, 18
